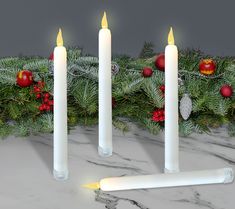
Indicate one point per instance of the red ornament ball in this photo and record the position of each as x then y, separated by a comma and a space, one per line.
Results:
147, 72
207, 66
51, 57
160, 62
24, 78
158, 115
226, 91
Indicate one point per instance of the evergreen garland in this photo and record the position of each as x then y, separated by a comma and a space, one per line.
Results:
136, 97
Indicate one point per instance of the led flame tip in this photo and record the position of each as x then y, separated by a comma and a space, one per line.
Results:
94, 186
104, 22
171, 40
59, 39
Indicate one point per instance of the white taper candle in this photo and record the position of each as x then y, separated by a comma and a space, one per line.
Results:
60, 111
171, 106
224, 175
105, 90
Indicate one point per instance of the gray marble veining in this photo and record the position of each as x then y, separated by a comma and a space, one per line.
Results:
26, 179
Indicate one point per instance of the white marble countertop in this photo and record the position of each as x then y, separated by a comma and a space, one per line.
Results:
26, 179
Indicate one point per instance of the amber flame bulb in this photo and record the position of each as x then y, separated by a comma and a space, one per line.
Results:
171, 40
104, 22
93, 186
59, 39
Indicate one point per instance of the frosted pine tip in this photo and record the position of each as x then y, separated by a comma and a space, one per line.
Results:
93, 186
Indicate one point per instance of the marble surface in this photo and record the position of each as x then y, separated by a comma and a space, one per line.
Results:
26, 179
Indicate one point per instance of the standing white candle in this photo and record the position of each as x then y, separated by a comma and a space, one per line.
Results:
105, 90
60, 111
171, 106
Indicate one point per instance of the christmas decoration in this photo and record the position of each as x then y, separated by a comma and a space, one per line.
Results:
147, 50
137, 97
114, 102
226, 91
158, 115
147, 72
207, 66
24, 78
160, 62
185, 106
162, 89
44, 97
51, 57
115, 69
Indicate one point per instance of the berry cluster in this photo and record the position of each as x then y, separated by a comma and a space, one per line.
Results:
45, 97
158, 115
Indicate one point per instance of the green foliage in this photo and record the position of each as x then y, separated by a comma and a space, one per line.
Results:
147, 50
136, 97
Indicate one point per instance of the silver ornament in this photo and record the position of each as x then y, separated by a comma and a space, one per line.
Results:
186, 106
115, 68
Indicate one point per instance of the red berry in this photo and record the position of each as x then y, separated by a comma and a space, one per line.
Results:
46, 100
46, 95
162, 88
51, 102
38, 96
48, 108
44, 106
147, 72
41, 84
41, 108
37, 90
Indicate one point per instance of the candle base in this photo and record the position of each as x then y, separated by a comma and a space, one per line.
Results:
105, 152
61, 175
171, 171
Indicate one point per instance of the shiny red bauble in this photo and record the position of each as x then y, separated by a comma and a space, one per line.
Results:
160, 62
24, 78
147, 72
207, 66
226, 91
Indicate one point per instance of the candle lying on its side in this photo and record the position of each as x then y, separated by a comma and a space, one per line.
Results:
171, 106
105, 148
217, 176
60, 111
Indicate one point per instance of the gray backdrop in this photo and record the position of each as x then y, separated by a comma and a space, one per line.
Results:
29, 27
